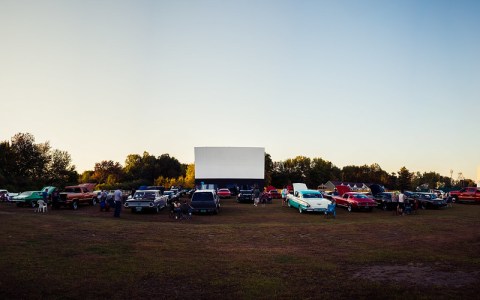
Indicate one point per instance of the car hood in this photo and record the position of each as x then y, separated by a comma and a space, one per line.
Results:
377, 189
299, 187
342, 189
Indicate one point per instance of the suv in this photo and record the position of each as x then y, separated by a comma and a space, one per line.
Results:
205, 201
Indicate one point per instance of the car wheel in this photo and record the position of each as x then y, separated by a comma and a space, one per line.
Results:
215, 212
349, 208
288, 204
157, 210
75, 205
94, 201
424, 206
19, 204
384, 206
300, 209
370, 209
33, 204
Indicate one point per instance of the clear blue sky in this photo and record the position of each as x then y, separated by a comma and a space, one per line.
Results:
355, 82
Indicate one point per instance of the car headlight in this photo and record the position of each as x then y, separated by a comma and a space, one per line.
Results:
151, 204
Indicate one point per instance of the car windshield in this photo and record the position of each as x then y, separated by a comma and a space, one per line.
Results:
224, 191
138, 195
246, 191
312, 195
428, 196
168, 193
149, 195
26, 193
360, 196
206, 196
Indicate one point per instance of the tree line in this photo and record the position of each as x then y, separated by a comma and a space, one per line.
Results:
317, 171
27, 165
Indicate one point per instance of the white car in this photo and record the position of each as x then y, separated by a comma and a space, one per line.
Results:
6, 196
146, 200
306, 200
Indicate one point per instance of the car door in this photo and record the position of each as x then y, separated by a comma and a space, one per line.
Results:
342, 201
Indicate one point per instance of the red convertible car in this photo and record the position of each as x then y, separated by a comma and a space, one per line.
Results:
353, 200
224, 193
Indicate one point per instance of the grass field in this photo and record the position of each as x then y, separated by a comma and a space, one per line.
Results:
244, 252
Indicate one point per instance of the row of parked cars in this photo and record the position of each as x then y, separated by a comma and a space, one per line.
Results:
202, 201
308, 200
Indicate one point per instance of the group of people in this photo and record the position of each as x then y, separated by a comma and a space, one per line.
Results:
260, 197
180, 211
115, 201
403, 206
54, 197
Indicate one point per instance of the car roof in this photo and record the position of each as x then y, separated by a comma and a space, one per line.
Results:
205, 191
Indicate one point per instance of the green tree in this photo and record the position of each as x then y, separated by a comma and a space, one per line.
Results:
322, 171
190, 176
404, 179
60, 171
108, 171
268, 169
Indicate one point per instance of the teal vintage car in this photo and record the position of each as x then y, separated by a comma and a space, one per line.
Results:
306, 200
29, 198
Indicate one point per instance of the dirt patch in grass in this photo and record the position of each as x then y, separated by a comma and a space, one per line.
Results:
417, 274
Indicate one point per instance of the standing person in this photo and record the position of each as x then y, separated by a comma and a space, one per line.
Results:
264, 197
45, 196
256, 195
284, 195
117, 197
55, 198
395, 203
401, 203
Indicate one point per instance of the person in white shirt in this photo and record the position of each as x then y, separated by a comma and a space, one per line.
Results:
401, 203
117, 196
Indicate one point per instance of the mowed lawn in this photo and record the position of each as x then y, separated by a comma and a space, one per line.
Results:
244, 252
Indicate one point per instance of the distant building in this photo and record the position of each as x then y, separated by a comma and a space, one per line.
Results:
354, 186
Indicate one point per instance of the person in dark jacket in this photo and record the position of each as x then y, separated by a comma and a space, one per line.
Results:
256, 195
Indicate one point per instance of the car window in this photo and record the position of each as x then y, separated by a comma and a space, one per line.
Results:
312, 195
149, 195
360, 196
138, 195
202, 197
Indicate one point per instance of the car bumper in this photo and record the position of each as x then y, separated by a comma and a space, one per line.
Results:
203, 210
318, 209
